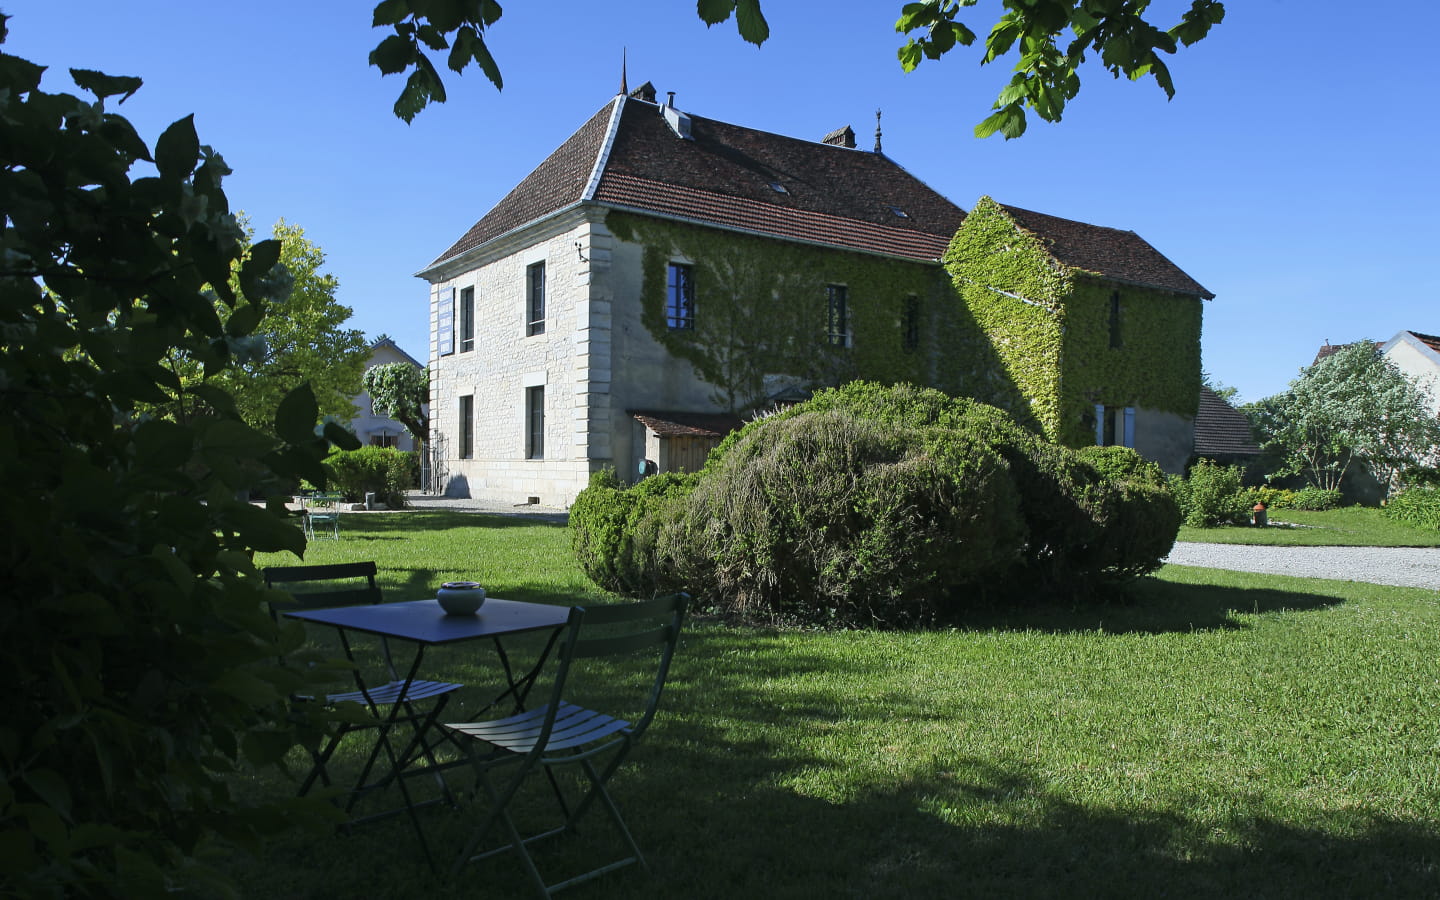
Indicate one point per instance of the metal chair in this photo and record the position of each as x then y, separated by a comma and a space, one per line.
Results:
322, 511
345, 584
562, 734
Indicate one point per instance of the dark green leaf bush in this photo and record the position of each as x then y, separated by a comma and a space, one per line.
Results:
1211, 495
384, 471
873, 505
1418, 506
1314, 499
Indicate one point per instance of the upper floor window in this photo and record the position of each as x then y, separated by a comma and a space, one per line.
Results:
467, 319
910, 324
1115, 342
535, 299
680, 296
837, 327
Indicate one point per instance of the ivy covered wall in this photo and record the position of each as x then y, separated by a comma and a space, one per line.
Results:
1049, 329
761, 309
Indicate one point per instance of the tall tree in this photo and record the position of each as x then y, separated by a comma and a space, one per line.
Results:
1353, 406
300, 339
401, 391
1053, 39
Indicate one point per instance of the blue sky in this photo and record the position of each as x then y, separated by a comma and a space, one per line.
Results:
1294, 174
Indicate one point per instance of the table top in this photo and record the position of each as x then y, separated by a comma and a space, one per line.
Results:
424, 622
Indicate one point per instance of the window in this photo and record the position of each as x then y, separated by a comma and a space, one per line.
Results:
910, 325
680, 297
535, 423
384, 439
445, 324
1114, 426
467, 426
467, 319
838, 315
1115, 343
535, 299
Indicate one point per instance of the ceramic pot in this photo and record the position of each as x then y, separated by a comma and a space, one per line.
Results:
460, 598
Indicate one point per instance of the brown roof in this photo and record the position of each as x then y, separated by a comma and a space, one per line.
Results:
1108, 252
1329, 349
683, 424
726, 175
1221, 430
1428, 340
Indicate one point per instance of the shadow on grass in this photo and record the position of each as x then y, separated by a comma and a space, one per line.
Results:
1151, 606
402, 521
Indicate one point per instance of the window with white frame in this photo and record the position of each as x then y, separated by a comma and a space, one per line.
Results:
535, 299
535, 423
467, 319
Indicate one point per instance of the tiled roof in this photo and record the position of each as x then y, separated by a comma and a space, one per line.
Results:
556, 183
683, 424
1428, 340
728, 175
1108, 252
1329, 349
731, 177
1221, 430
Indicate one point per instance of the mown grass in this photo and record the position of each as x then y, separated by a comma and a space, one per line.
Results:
1354, 526
1205, 734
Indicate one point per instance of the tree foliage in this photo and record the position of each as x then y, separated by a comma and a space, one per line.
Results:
1052, 39
401, 391
139, 667
1353, 406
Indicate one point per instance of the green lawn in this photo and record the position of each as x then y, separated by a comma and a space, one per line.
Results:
1354, 526
1207, 734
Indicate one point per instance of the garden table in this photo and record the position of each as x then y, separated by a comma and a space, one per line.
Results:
424, 624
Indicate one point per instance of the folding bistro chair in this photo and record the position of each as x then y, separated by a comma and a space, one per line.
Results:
322, 511
563, 734
347, 584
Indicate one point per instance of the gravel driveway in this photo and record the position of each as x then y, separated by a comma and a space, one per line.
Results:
1404, 566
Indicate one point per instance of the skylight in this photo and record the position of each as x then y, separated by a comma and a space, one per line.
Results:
899, 212
778, 188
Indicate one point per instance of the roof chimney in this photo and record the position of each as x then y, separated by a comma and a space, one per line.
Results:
841, 137
671, 101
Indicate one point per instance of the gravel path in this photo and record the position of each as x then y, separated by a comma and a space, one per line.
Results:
1404, 566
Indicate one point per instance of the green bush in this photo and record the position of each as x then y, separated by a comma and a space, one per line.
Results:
618, 534
1314, 499
384, 471
1271, 497
1418, 506
1139, 516
1211, 495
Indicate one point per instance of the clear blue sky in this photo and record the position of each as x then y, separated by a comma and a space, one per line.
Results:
1294, 174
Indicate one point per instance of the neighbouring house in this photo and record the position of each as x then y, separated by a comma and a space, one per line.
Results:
1222, 432
1418, 357
372, 429
662, 275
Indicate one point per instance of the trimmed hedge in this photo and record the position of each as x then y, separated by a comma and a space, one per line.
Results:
872, 505
384, 471
1316, 499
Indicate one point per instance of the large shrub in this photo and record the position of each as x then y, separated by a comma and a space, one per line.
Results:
1211, 495
1314, 499
1418, 506
384, 471
872, 505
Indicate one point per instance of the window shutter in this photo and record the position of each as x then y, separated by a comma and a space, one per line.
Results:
1100, 424
445, 325
1130, 426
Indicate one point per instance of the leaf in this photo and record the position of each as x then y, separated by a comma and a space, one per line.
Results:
296, 416
751, 22
247, 688
394, 54
102, 85
389, 12
713, 12
161, 444
1009, 121
178, 149
487, 63
263, 530
340, 436
264, 748
51, 788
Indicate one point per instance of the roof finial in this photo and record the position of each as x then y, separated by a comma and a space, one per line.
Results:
624, 87
877, 131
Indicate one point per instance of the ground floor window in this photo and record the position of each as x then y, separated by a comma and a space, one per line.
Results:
384, 439
1114, 426
467, 426
535, 423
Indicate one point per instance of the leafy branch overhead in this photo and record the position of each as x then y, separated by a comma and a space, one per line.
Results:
1052, 37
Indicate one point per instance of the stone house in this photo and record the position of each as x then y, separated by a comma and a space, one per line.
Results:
372, 429
661, 275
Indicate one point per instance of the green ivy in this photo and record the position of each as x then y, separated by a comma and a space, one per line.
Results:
1049, 330
761, 309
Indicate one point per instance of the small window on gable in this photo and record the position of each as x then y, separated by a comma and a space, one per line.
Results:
535, 299
1115, 340
910, 325
837, 303
680, 297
